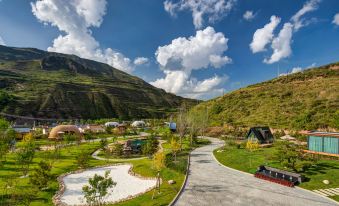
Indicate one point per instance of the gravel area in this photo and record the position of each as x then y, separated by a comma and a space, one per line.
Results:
128, 185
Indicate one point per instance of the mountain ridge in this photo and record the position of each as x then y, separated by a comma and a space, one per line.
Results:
37, 83
304, 100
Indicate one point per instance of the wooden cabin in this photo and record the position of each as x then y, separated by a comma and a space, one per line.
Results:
262, 134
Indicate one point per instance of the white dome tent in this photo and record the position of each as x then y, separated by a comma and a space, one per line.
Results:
138, 124
111, 124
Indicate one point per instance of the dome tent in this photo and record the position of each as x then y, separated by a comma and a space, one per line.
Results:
58, 131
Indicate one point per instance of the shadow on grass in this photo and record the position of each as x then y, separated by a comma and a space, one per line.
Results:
320, 168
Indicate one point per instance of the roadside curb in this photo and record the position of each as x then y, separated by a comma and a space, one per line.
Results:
229, 167
184, 183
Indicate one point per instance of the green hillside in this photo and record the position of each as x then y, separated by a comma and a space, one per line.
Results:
305, 100
36, 83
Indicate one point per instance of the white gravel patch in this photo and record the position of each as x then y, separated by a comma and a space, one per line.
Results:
127, 185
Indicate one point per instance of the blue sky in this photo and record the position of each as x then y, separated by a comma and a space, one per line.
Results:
169, 45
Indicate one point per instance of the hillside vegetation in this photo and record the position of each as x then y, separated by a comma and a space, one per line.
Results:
305, 100
36, 83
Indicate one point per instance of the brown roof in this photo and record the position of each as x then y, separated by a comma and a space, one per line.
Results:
54, 134
321, 134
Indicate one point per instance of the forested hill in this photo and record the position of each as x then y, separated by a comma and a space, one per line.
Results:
37, 83
305, 100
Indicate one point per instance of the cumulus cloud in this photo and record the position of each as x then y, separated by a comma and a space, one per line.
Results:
180, 82
248, 15
141, 60
204, 49
336, 19
213, 10
264, 36
294, 70
297, 19
75, 18
183, 55
281, 44
2, 42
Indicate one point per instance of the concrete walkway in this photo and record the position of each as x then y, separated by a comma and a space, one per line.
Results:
212, 184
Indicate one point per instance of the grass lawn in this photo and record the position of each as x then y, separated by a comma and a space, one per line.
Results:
242, 159
68, 162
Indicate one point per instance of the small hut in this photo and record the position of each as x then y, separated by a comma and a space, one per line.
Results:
262, 134
58, 131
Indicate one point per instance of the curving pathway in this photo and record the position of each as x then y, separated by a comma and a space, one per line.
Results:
210, 183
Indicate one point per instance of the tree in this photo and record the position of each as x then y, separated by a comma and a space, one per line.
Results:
103, 144
175, 146
151, 146
159, 164
117, 149
7, 142
182, 122
197, 122
41, 175
252, 145
83, 159
25, 155
291, 156
97, 189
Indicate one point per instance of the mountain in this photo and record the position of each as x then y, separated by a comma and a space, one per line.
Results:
304, 100
42, 84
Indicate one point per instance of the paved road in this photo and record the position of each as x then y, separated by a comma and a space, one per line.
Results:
212, 184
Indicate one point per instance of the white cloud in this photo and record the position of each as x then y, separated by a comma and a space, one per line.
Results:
263, 36
2, 42
248, 15
213, 10
140, 60
336, 19
180, 83
178, 59
204, 49
294, 70
281, 44
311, 65
297, 19
75, 17
218, 61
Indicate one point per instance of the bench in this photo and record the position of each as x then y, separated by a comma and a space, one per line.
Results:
279, 176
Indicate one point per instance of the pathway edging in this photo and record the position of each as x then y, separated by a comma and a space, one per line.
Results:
183, 184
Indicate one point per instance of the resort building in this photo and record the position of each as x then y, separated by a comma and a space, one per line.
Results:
21, 130
262, 134
326, 143
58, 131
